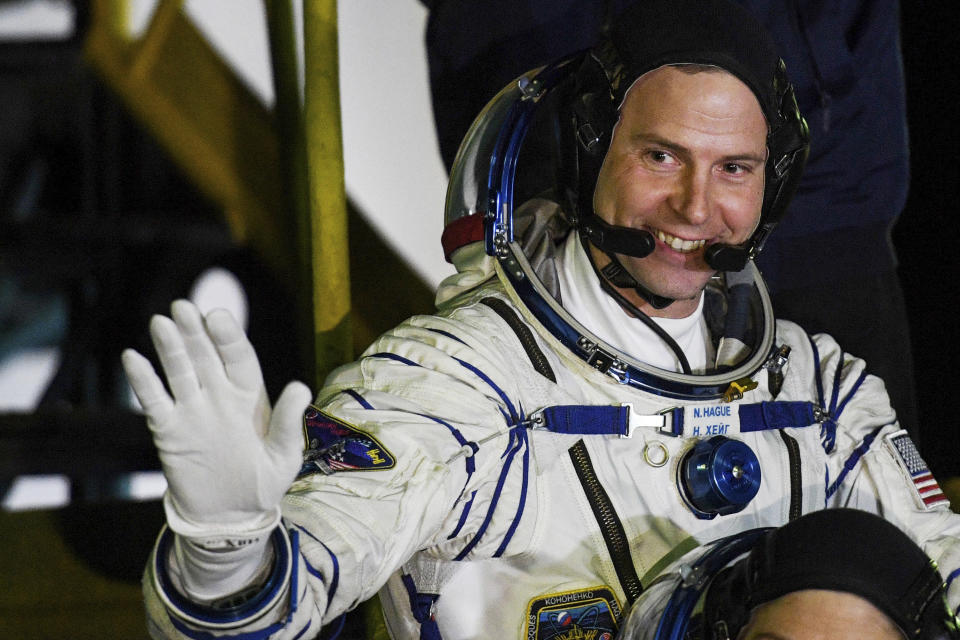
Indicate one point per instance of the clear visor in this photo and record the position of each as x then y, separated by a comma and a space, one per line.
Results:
468, 190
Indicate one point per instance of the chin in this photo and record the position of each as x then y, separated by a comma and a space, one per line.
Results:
686, 286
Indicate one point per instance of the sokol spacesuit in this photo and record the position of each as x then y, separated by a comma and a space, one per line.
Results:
524, 462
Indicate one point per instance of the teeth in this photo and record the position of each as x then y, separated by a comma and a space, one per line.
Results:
677, 244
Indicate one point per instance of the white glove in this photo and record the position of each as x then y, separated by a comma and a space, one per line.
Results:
227, 458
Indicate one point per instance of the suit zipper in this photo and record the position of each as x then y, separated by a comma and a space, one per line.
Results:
527, 341
796, 477
611, 528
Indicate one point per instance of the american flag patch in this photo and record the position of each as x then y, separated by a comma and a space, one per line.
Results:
926, 491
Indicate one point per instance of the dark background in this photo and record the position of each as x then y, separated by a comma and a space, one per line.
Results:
927, 233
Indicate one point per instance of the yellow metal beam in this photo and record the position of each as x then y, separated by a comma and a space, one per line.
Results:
327, 195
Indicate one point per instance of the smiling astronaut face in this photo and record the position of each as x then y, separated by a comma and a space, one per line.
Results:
686, 163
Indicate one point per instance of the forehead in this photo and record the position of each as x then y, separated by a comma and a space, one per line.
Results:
696, 94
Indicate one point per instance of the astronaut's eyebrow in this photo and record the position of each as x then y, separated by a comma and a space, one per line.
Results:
640, 139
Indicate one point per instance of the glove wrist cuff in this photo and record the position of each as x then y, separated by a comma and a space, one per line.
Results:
220, 537
239, 609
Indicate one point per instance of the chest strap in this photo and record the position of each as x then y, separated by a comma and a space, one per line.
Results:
700, 420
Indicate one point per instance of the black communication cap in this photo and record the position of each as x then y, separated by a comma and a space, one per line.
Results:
855, 552
648, 35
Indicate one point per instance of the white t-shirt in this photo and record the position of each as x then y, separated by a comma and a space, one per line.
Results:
586, 301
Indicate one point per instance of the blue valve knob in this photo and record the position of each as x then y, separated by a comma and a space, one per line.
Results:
719, 476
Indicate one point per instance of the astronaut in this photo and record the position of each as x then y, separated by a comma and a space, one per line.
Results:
787, 582
602, 389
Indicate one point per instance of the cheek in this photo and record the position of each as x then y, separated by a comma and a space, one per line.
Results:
742, 213
615, 162
629, 196
604, 195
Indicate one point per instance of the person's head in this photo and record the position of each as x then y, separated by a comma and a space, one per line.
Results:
691, 146
831, 574
819, 614
685, 163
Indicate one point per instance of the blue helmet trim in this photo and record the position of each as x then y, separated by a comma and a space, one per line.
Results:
609, 362
676, 614
498, 222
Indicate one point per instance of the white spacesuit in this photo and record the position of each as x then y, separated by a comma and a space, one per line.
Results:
500, 524
524, 462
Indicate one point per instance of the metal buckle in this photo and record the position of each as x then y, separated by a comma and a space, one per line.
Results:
536, 420
634, 421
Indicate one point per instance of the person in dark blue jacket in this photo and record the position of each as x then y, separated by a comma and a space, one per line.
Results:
831, 266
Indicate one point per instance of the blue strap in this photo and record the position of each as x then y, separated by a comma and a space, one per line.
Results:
420, 605
851, 462
587, 420
615, 420
775, 415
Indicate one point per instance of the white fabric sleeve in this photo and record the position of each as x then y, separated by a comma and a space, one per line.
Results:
208, 575
875, 467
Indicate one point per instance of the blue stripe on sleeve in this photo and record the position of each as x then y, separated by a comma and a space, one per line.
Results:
496, 498
356, 396
393, 356
828, 429
952, 576
837, 376
818, 376
464, 363
503, 396
260, 634
302, 631
522, 433
470, 463
447, 334
463, 516
856, 387
335, 579
852, 461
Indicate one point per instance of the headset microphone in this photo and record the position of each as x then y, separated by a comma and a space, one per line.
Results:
638, 243
726, 257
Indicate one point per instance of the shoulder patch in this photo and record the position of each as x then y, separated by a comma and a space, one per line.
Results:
586, 614
926, 490
334, 445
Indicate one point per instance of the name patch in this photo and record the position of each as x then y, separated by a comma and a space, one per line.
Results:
333, 445
588, 614
712, 420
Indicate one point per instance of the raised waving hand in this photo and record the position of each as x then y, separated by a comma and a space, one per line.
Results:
227, 456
